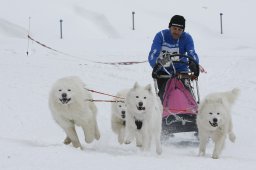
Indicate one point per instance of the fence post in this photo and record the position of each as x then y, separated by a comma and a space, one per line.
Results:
221, 29
28, 34
61, 28
133, 20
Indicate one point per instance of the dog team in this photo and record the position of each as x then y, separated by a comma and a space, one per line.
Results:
136, 115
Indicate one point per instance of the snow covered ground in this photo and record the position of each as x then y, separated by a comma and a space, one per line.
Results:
101, 31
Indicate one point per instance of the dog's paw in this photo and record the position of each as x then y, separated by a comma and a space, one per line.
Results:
89, 137
67, 141
215, 156
127, 141
82, 148
97, 136
89, 140
139, 145
76, 144
201, 153
120, 142
159, 150
120, 139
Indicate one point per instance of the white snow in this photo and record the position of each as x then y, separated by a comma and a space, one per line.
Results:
101, 31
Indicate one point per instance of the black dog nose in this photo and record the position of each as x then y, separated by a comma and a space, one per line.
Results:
140, 104
123, 112
64, 95
215, 120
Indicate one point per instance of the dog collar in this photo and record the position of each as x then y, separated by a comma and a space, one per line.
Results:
138, 123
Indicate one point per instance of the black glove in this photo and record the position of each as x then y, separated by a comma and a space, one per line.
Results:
156, 70
164, 59
194, 68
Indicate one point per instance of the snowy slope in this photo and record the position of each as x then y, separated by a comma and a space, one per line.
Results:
101, 31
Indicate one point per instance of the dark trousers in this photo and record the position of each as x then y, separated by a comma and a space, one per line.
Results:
161, 83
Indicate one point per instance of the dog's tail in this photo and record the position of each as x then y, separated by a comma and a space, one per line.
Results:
232, 137
233, 95
92, 104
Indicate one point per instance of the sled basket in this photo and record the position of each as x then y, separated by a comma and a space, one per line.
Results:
180, 108
179, 101
179, 123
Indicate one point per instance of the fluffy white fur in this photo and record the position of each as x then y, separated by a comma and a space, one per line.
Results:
118, 114
144, 117
69, 105
214, 120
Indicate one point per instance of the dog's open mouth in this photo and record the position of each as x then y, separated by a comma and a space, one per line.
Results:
141, 108
214, 124
65, 100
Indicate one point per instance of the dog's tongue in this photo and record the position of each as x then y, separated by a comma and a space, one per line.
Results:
141, 108
138, 124
64, 100
213, 124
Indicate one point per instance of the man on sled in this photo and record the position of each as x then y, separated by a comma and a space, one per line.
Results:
175, 66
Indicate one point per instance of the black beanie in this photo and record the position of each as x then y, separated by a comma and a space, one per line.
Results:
178, 21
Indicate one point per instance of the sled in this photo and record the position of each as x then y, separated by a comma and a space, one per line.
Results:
181, 94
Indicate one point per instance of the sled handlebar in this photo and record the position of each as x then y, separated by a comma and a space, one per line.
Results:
180, 76
172, 58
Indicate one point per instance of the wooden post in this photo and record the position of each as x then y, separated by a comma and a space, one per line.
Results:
61, 28
133, 27
221, 29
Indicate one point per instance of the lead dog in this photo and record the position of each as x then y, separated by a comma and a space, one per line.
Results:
69, 105
214, 120
144, 117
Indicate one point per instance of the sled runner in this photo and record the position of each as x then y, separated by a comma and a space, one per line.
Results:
180, 95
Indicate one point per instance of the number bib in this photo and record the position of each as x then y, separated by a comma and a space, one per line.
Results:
171, 51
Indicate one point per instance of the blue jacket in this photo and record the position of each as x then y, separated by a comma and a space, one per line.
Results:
163, 41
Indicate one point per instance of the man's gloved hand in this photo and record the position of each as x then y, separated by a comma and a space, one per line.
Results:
155, 71
194, 68
164, 59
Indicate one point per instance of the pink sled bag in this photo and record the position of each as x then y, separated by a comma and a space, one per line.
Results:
178, 99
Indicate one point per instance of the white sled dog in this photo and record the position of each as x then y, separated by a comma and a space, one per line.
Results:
118, 114
144, 117
69, 105
214, 120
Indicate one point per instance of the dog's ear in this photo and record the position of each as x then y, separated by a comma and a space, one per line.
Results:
149, 88
136, 85
236, 91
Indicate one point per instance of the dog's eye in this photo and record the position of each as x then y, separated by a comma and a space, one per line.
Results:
210, 113
60, 90
218, 113
145, 97
137, 96
69, 90
120, 106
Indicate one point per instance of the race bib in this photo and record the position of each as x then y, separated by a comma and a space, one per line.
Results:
170, 51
